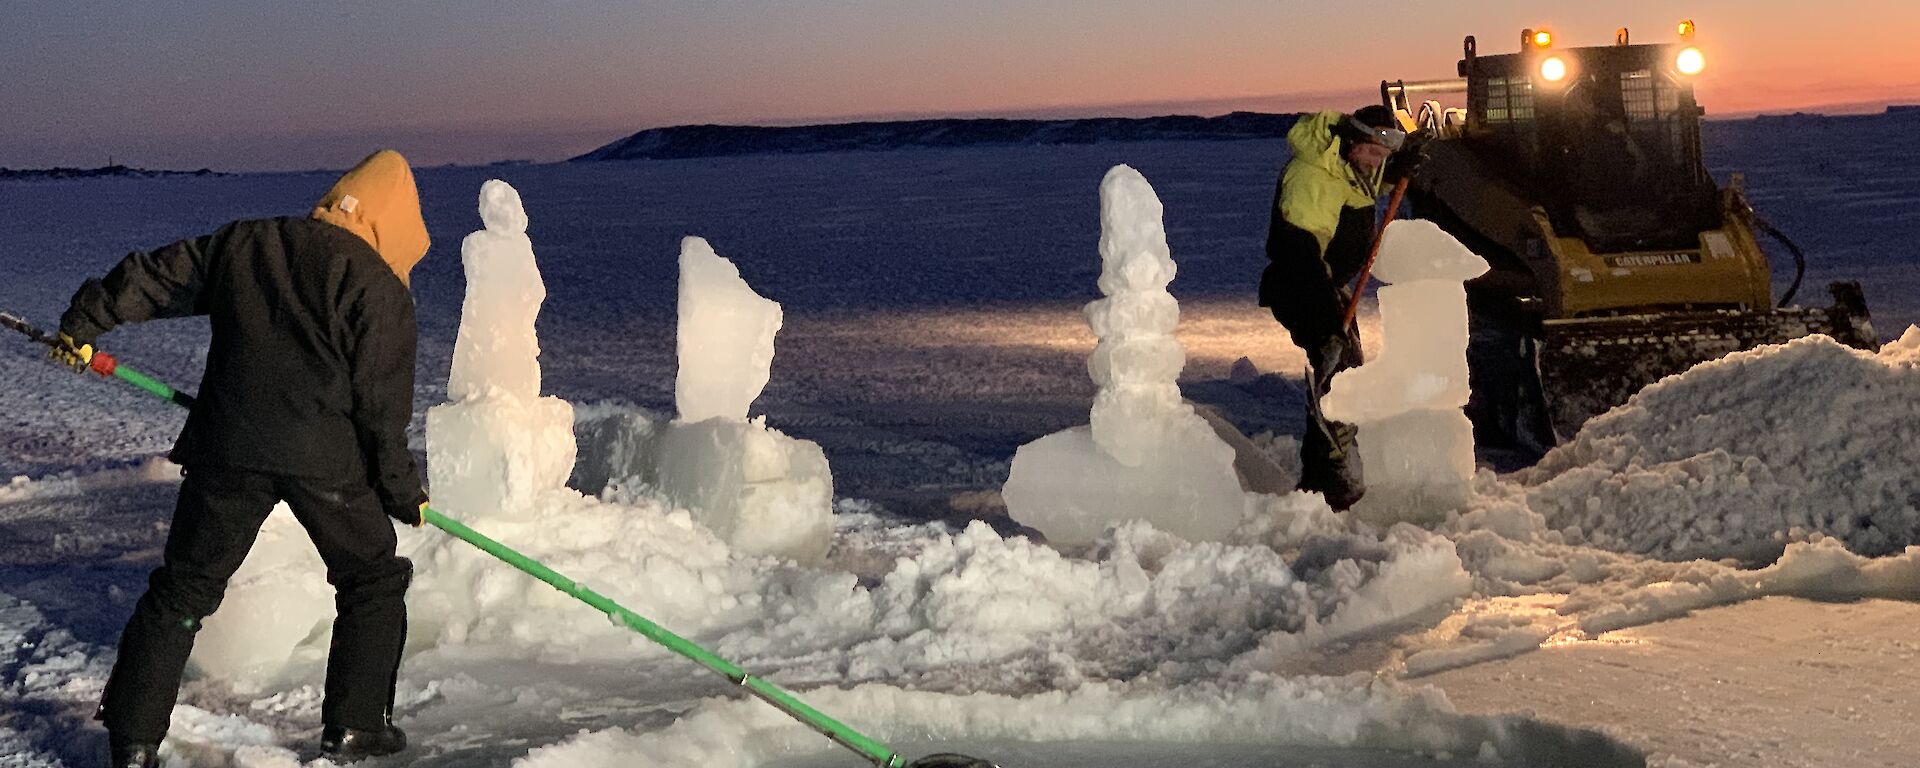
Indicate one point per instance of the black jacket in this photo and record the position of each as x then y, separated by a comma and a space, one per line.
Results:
310, 372
1308, 292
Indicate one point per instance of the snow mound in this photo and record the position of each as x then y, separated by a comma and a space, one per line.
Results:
1820, 569
956, 609
637, 551
73, 483
1736, 457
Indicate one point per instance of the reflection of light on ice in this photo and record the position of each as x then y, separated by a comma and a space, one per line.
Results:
1578, 639
1214, 333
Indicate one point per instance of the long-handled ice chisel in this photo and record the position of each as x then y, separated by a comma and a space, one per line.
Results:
874, 751
103, 363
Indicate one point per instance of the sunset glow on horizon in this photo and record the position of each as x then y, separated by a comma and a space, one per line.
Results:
231, 84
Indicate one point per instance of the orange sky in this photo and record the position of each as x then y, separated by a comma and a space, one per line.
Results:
258, 84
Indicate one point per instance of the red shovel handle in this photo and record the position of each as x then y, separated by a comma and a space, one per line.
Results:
1366, 269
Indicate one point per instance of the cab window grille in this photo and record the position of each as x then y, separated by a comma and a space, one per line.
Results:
1652, 105
1503, 101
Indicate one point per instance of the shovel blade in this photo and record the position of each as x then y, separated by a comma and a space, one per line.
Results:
949, 760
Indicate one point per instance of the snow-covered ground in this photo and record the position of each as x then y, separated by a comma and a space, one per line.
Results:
932, 324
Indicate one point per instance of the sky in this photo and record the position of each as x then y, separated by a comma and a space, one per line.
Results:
268, 84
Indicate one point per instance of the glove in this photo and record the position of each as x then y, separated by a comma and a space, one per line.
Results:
1332, 356
71, 355
414, 516
1406, 162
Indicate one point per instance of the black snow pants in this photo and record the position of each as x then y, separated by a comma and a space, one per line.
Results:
1328, 462
218, 516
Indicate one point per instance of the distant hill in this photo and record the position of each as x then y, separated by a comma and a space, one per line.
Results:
104, 171
722, 140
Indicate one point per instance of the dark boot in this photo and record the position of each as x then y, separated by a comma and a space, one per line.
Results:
1336, 479
1328, 460
342, 744
134, 755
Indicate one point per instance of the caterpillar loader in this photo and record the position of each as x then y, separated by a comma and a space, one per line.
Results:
1616, 258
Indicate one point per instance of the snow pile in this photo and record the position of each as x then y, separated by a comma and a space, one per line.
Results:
47, 677
1358, 582
1145, 454
655, 561
497, 444
1536, 586
1594, 593
23, 488
1416, 446
762, 492
1820, 569
1740, 455
953, 607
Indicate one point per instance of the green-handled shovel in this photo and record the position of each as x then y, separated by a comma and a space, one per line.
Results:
877, 753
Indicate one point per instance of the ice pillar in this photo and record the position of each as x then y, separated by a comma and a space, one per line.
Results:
1145, 454
1415, 444
496, 444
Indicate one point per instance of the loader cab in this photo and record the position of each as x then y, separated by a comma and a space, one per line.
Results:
1613, 257
1607, 138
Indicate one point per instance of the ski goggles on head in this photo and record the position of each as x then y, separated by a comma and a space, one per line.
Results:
1391, 138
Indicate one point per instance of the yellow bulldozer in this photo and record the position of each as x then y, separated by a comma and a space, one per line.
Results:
1616, 257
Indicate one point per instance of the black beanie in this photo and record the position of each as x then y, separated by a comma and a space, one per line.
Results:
1372, 115
1376, 116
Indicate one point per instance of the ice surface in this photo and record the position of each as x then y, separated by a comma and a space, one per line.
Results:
497, 444
725, 337
1145, 454
1414, 442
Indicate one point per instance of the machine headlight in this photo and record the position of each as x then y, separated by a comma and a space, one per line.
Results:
1690, 61
1553, 69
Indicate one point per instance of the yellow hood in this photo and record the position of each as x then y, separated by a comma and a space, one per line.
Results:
378, 201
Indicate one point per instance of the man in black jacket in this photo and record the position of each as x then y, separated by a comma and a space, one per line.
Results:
1321, 229
306, 398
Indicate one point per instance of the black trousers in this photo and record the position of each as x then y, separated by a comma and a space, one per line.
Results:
219, 515
1328, 462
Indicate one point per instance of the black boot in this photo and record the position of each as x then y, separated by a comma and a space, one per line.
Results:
134, 755
343, 744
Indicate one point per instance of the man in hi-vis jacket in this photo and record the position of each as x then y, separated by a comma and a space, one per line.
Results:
1321, 229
